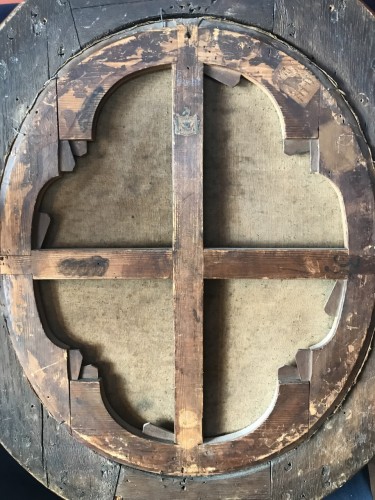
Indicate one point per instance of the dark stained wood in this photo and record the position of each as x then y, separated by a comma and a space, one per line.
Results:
96, 18
89, 372
100, 71
102, 264
337, 47
44, 28
316, 472
345, 163
92, 423
74, 470
253, 485
22, 437
331, 456
287, 423
187, 171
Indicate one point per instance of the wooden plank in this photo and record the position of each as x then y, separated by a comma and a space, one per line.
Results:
75, 364
42, 223
252, 485
224, 263
21, 436
98, 18
187, 171
102, 264
79, 148
223, 75
69, 464
47, 30
276, 264
344, 160
337, 47
92, 424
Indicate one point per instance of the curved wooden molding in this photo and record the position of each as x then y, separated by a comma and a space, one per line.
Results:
84, 82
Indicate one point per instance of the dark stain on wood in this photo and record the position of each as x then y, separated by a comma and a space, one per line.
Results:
92, 267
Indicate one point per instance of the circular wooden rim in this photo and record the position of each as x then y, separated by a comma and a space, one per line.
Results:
312, 118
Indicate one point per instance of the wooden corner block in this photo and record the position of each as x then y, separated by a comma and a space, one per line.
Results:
288, 375
158, 432
296, 146
223, 75
89, 372
304, 364
43, 221
78, 148
66, 158
75, 363
333, 303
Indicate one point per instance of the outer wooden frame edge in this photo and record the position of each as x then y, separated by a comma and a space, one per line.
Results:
326, 438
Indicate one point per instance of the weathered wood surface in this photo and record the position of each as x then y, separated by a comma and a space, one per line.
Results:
35, 40
240, 263
337, 47
327, 439
21, 431
187, 172
73, 470
96, 18
33, 163
295, 89
44, 363
253, 485
81, 87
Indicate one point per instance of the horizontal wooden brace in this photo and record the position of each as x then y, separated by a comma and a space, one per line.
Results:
145, 263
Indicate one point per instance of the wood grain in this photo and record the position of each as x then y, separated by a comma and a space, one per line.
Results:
96, 18
44, 364
187, 170
350, 64
361, 456
292, 85
252, 485
100, 70
276, 264
219, 263
33, 163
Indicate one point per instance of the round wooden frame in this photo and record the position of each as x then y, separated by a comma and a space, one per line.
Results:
19, 263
